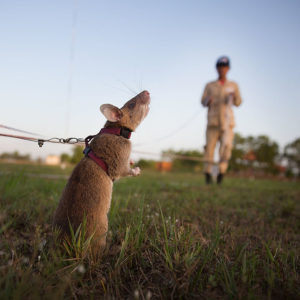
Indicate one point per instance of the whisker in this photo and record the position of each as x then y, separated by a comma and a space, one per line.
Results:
141, 83
117, 88
130, 89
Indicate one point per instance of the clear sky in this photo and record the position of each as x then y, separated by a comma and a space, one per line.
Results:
167, 47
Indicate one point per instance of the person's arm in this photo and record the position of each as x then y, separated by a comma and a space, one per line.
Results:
206, 99
237, 96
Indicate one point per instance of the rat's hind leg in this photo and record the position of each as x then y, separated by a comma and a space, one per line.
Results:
99, 238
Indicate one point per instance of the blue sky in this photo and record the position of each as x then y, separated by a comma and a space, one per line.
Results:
166, 47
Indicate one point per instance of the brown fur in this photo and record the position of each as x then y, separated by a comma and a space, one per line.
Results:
89, 189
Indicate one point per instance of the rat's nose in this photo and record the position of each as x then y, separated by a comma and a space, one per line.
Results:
145, 97
146, 93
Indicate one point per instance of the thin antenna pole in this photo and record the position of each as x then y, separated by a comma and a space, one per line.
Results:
71, 66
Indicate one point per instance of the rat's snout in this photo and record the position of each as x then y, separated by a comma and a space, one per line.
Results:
145, 97
135, 110
146, 93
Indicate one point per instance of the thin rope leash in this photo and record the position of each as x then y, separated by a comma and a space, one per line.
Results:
18, 130
74, 140
172, 133
54, 140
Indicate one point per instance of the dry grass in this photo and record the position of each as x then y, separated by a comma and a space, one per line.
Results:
170, 237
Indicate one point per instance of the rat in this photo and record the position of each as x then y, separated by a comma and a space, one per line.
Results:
88, 191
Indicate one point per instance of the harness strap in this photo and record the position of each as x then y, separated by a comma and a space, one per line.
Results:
99, 161
122, 131
88, 152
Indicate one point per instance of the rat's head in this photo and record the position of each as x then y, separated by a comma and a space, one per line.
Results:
130, 115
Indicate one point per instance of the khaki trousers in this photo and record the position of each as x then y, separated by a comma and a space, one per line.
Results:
213, 135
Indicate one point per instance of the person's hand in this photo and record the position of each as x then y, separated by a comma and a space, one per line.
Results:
229, 97
210, 101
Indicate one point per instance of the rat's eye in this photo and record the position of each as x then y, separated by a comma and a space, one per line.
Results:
131, 105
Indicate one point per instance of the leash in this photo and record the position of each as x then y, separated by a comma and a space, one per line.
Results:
81, 141
41, 142
18, 130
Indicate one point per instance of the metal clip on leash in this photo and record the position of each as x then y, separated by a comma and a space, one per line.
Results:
40, 143
71, 140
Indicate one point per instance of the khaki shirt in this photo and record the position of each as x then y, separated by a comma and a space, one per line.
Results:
218, 109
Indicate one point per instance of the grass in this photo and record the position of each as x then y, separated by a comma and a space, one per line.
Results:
170, 236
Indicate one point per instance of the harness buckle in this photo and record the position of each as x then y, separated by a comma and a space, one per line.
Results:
86, 151
125, 132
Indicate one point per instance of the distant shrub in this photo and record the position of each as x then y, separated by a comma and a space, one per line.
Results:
77, 154
146, 164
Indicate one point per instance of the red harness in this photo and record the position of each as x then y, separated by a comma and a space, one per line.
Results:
121, 131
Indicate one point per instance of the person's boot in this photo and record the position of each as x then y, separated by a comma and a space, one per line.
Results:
208, 178
220, 178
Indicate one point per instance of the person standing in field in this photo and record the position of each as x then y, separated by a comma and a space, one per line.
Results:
218, 97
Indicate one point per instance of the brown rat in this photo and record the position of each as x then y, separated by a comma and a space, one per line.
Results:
89, 189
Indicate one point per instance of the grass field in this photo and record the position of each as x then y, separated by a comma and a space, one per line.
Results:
170, 237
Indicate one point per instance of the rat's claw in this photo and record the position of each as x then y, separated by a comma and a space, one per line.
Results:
136, 171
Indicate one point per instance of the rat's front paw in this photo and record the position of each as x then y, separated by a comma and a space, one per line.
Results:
136, 171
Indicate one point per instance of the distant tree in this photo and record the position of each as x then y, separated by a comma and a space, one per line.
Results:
76, 154
65, 158
15, 156
292, 154
263, 150
185, 159
238, 152
4, 155
266, 152
146, 164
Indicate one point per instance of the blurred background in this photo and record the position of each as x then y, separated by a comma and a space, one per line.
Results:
60, 60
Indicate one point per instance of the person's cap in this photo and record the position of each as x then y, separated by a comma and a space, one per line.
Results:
223, 61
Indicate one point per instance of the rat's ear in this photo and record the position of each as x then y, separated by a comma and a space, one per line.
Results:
111, 113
